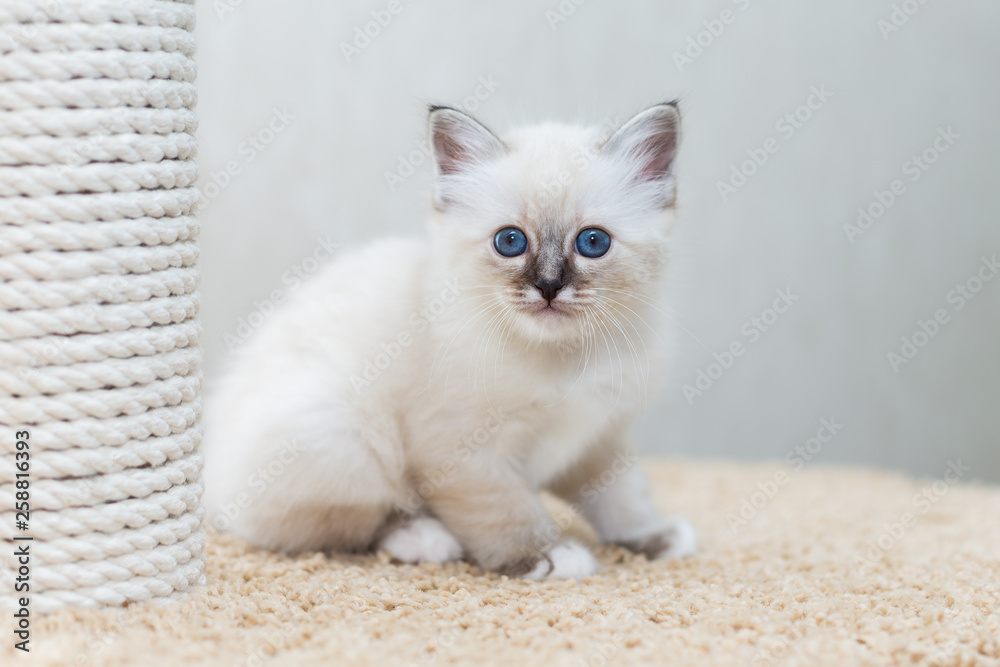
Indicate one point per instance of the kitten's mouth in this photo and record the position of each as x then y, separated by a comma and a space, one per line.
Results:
557, 309
550, 310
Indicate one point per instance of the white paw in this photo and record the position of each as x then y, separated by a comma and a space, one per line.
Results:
422, 540
668, 537
566, 560
682, 538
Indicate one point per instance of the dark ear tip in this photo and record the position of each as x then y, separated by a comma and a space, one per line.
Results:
675, 105
674, 114
434, 108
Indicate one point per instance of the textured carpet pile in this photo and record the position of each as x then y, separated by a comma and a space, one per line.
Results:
826, 566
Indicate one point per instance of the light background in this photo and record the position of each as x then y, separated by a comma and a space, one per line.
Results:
323, 174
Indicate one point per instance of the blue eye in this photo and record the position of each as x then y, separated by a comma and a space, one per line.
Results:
510, 242
593, 242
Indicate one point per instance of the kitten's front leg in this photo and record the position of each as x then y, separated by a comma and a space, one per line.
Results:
609, 487
503, 526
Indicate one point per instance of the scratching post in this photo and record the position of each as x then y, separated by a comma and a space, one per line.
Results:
99, 352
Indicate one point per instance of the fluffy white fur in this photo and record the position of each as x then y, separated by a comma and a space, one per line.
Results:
418, 394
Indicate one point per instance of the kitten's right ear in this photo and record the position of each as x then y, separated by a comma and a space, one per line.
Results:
460, 144
648, 145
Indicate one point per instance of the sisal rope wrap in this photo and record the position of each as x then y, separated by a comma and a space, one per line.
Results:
99, 337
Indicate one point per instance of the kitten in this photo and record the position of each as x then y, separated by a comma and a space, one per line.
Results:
417, 395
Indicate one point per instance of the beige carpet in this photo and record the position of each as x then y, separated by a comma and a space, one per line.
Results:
793, 586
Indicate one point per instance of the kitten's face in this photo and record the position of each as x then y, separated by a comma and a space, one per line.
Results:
558, 229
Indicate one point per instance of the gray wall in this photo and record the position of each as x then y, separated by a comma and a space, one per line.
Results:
327, 131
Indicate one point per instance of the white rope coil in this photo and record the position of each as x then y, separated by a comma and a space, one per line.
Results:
96, 93
98, 546
101, 148
95, 123
99, 342
37, 181
29, 294
61, 350
95, 319
82, 236
112, 206
164, 13
100, 403
57, 495
116, 594
106, 460
131, 513
112, 373
152, 563
43, 265
89, 433
111, 64
87, 37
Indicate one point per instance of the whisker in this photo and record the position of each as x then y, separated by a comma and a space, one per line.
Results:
611, 366
466, 320
652, 305
584, 361
497, 330
633, 353
504, 337
641, 377
483, 336
639, 296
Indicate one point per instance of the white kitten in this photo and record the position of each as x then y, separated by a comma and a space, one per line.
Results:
416, 395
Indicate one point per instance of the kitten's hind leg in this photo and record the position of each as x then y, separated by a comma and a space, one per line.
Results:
293, 468
419, 539
610, 489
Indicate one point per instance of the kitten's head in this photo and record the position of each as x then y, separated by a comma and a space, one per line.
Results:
554, 225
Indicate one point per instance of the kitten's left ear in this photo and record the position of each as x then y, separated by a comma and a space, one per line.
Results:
460, 144
648, 145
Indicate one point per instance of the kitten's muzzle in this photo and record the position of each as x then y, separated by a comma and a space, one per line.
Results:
549, 288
